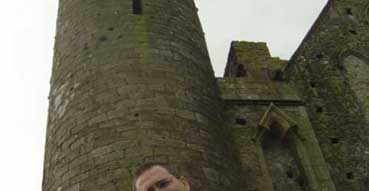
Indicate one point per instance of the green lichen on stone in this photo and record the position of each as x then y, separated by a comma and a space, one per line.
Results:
252, 59
132, 88
251, 52
140, 36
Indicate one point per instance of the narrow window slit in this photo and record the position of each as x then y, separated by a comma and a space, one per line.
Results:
319, 109
241, 121
241, 72
289, 173
350, 175
335, 140
137, 7
353, 32
312, 84
320, 56
349, 11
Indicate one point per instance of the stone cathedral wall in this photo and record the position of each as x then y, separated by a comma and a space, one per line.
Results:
276, 144
329, 72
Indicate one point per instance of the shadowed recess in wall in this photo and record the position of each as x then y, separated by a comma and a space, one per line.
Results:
357, 68
137, 7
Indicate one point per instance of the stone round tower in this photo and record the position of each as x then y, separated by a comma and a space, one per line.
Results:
131, 83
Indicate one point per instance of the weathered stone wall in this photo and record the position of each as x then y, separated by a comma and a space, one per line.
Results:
289, 165
135, 85
130, 88
275, 164
328, 70
252, 60
276, 144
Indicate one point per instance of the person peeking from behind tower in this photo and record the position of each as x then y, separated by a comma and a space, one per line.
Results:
157, 176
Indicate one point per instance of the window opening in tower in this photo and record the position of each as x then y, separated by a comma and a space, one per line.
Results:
137, 7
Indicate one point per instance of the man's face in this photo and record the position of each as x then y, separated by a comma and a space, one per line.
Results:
158, 178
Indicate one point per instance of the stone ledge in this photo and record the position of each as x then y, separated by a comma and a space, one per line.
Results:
242, 91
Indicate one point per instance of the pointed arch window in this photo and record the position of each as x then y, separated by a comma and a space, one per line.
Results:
282, 151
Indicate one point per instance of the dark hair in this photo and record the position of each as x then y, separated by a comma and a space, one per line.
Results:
147, 166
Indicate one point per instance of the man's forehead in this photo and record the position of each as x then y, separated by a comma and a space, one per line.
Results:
152, 175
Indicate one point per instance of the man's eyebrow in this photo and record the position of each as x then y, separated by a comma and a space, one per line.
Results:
147, 179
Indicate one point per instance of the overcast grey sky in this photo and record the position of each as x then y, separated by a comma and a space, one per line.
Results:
27, 34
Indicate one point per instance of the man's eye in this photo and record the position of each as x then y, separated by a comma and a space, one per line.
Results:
163, 184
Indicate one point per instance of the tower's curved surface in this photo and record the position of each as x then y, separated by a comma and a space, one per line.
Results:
132, 83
